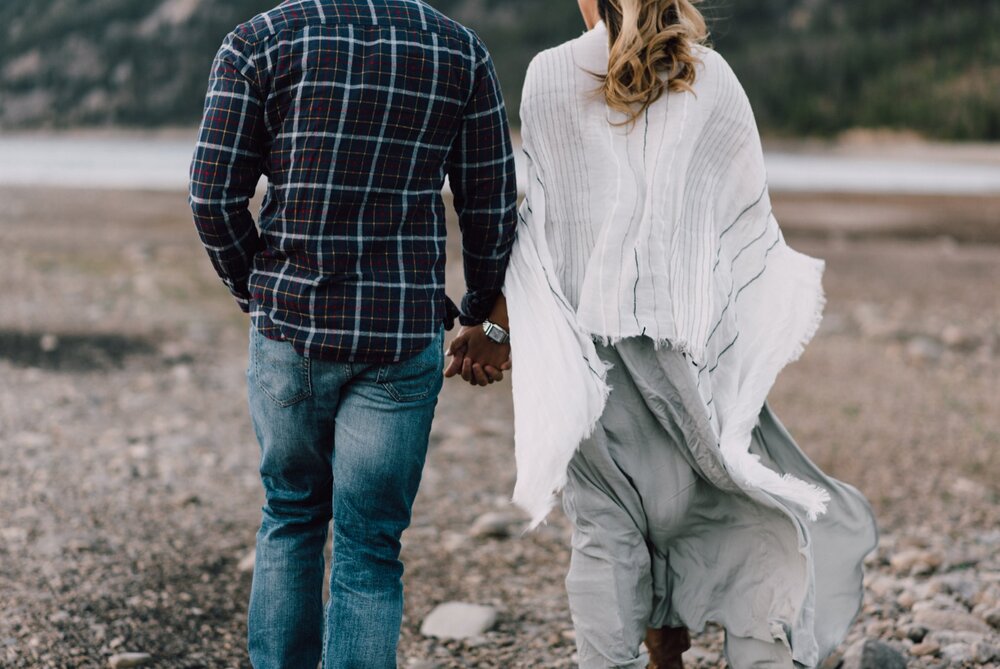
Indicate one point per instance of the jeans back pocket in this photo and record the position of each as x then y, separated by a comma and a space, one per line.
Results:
279, 371
419, 377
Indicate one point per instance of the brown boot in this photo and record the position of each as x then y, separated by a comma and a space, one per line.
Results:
666, 645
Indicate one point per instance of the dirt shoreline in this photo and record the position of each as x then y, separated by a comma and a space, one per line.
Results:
128, 467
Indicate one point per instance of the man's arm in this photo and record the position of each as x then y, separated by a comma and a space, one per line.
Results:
228, 162
481, 173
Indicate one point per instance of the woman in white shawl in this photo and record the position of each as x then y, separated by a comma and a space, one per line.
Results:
652, 302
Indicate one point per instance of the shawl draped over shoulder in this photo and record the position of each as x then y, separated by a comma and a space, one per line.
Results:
662, 228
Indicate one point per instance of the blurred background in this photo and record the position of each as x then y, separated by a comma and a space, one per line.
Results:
931, 68
129, 495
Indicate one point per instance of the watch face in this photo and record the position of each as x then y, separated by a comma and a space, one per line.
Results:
495, 333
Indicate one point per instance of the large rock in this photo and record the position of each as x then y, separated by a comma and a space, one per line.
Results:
955, 621
458, 620
872, 654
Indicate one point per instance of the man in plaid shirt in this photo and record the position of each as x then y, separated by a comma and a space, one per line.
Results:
355, 111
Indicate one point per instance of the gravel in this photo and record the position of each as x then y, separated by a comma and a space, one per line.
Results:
128, 475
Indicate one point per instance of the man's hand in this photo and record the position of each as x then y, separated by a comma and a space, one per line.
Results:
478, 359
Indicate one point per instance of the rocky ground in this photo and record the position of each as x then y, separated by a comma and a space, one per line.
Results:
128, 488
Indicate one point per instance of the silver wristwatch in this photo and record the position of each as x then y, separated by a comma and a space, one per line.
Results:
495, 333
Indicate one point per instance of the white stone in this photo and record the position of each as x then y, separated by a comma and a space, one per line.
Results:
458, 620
496, 524
453, 541
957, 653
32, 440
697, 655
246, 563
969, 489
124, 660
924, 349
48, 343
13, 535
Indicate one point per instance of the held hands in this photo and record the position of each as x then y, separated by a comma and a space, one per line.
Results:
478, 359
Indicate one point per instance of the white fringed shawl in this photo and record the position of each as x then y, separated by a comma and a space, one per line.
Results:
662, 229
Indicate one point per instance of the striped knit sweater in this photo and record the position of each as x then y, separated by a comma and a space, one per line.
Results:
663, 229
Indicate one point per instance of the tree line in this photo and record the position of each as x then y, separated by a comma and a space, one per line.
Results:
810, 67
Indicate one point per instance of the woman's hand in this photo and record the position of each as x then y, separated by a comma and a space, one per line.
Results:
480, 360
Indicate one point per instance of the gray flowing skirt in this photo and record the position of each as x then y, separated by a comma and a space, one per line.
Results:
656, 544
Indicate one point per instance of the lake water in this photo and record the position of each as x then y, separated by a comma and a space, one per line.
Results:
161, 163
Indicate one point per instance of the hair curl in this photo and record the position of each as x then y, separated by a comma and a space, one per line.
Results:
648, 38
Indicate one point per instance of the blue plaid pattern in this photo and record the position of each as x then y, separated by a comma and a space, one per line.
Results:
355, 110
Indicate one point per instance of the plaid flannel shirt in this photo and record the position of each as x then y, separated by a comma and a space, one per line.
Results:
355, 111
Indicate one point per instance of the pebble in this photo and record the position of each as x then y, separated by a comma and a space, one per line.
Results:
985, 651
59, 617
453, 541
495, 525
881, 586
957, 653
872, 654
916, 633
955, 621
124, 660
48, 342
459, 620
13, 535
915, 561
697, 654
925, 648
31, 440
955, 337
962, 586
245, 565
993, 618
923, 349
969, 489
833, 661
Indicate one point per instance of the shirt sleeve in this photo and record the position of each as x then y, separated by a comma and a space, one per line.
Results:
484, 185
227, 164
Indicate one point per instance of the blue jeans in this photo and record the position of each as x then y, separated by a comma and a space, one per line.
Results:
340, 441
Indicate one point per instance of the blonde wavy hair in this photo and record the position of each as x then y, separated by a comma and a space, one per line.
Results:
648, 38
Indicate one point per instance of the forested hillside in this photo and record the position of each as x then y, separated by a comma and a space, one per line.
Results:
811, 67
